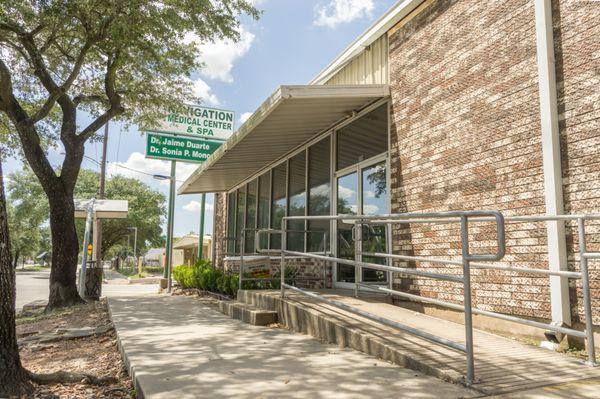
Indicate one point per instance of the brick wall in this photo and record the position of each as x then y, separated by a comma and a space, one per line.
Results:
466, 135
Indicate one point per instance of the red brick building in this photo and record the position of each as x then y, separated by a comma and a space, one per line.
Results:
440, 105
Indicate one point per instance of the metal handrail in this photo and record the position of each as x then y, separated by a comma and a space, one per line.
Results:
467, 261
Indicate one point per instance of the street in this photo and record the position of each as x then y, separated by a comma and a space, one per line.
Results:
33, 286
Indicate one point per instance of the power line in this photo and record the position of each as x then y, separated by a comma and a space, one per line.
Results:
139, 171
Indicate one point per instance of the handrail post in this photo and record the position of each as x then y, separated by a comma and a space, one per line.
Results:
357, 269
324, 264
587, 302
464, 235
283, 248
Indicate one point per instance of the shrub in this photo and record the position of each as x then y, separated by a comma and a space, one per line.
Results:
204, 277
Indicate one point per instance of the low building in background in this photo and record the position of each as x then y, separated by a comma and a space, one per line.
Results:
187, 247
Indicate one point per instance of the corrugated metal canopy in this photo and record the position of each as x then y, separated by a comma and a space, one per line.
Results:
288, 118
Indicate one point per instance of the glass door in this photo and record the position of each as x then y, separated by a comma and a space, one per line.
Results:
362, 190
347, 204
374, 201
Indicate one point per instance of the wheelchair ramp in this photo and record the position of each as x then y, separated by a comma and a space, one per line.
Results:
502, 365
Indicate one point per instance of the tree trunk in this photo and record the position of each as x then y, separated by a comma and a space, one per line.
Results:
14, 379
65, 250
59, 190
16, 262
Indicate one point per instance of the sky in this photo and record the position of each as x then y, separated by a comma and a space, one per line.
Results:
290, 44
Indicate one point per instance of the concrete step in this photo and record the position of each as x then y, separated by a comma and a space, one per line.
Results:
248, 313
501, 365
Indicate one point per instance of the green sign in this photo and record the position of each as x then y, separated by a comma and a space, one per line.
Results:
194, 120
173, 148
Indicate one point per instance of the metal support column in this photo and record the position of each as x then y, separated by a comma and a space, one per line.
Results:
242, 250
553, 191
283, 249
201, 238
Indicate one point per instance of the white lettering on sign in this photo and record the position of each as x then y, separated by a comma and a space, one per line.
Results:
194, 120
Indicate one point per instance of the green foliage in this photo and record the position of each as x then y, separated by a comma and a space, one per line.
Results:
146, 210
204, 277
31, 211
27, 209
132, 56
68, 67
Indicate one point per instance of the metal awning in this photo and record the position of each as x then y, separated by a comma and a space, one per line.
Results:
288, 118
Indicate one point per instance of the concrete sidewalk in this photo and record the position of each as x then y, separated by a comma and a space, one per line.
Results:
181, 347
116, 284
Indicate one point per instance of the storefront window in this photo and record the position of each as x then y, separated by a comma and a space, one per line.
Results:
319, 194
251, 216
264, 193
363, 138
239, 223
278, 204
297, 195
305, 189
230, 242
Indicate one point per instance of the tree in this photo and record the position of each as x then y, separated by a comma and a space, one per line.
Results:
14, 380
146, 208
129, 60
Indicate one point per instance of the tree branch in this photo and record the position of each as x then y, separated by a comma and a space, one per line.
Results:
82, 98
6, 90
49, 104
113, 97
30, 140
11, 27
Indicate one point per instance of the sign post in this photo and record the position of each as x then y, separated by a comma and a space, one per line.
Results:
191, 133
170, 218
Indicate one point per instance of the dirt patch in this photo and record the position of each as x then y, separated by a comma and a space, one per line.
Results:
97, 354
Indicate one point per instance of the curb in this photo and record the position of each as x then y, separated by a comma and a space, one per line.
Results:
139, 391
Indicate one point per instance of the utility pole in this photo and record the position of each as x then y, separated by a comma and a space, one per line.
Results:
98, 222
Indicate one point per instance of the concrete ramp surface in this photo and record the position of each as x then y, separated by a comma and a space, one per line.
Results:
182, 347
501, 365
